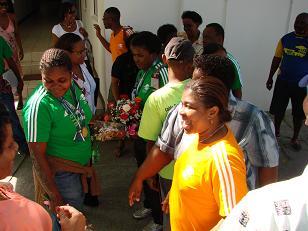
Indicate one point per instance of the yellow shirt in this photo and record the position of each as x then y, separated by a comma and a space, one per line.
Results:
208, 180
117, 45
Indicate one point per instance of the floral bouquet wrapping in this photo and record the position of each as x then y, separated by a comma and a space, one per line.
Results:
121, 120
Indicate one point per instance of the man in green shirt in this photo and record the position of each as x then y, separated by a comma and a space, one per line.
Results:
178, 55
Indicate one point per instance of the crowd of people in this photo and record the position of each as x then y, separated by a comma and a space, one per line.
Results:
203, 153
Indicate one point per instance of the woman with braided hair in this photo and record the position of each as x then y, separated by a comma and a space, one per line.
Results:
56, 118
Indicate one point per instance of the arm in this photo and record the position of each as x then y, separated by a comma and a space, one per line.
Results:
54, 39
17, 37
104, 42
38, 150
12, 65
154, 162
115, 87
267, 176
71, 219
275, 64
237, 93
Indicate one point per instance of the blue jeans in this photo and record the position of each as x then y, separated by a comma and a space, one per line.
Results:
8, 100
70, 187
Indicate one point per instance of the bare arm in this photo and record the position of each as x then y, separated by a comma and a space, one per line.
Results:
104, 42
267, 176
54, 39
12, 65
42, 167
154, 162
17, 36
115, 88
275, 64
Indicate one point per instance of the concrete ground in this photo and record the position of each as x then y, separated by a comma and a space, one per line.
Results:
114, 214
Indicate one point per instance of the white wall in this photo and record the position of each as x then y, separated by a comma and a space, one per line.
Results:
252, 27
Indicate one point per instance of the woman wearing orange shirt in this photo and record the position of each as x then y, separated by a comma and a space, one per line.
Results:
210, 176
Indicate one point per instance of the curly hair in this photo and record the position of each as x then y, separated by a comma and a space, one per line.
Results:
4, 120
148, 41
55, 58
216, 66
193, 15
211, 92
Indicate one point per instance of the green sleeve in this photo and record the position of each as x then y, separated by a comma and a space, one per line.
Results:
163, 76
151, 123
237, 82
7, 51
37, 121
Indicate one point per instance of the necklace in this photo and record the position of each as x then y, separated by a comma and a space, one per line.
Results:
212, 134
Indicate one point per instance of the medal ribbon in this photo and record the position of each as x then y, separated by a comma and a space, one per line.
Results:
76, 114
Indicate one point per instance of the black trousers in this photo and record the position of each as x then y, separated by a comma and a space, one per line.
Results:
151, 197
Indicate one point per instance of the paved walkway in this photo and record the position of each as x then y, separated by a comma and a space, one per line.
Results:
114, 214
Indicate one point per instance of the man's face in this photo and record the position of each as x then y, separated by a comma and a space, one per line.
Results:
142, 57
107, 20
301, 25
210, 36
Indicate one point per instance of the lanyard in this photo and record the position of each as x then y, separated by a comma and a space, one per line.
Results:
76, 114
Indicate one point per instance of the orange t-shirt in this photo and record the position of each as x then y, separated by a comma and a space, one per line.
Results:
19, 213
208, 180
117, 44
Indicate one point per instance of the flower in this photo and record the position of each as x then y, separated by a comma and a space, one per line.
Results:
132, 130
124, 116
106, 118
126, 107
110, 105
138, 100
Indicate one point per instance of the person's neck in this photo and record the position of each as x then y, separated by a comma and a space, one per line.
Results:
195, 37
176, 75
116, 28
213, 134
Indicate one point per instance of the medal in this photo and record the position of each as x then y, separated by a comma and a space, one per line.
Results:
84, 132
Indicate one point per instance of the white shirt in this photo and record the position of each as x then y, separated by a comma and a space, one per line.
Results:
280, 206
59, 31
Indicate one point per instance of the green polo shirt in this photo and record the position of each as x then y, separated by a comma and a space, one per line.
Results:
45, 120
154, 114
5, 52
145, 81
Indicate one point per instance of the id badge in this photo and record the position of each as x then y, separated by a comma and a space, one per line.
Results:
155, 83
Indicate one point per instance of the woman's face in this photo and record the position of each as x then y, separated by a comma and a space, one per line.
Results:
78, 53
71, 15
142, 57
10, 148
3, 6
193, 113
190, 27
57, 81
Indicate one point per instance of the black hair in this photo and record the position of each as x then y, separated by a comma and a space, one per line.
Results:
212, 48
218, 28
67, 41
211, 92
193, 15
10, 7
165, 32
65, 8
148, 41
216, 66
55, 58
4, 120
128, 40
114, 12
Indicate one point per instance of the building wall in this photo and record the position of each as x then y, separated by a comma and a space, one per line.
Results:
252, 28
25, 8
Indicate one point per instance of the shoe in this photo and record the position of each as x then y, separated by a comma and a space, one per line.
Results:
153, 227
142, 213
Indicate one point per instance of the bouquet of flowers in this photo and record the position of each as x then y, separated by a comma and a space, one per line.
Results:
121, 120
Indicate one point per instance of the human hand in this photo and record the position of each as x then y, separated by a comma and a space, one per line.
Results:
55, 201
165, 204
269, 84
153, 183
134, 191
98, 30
7, 186
70, 218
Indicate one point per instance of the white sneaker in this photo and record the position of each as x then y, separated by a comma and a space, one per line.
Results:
142, 213
153, 227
